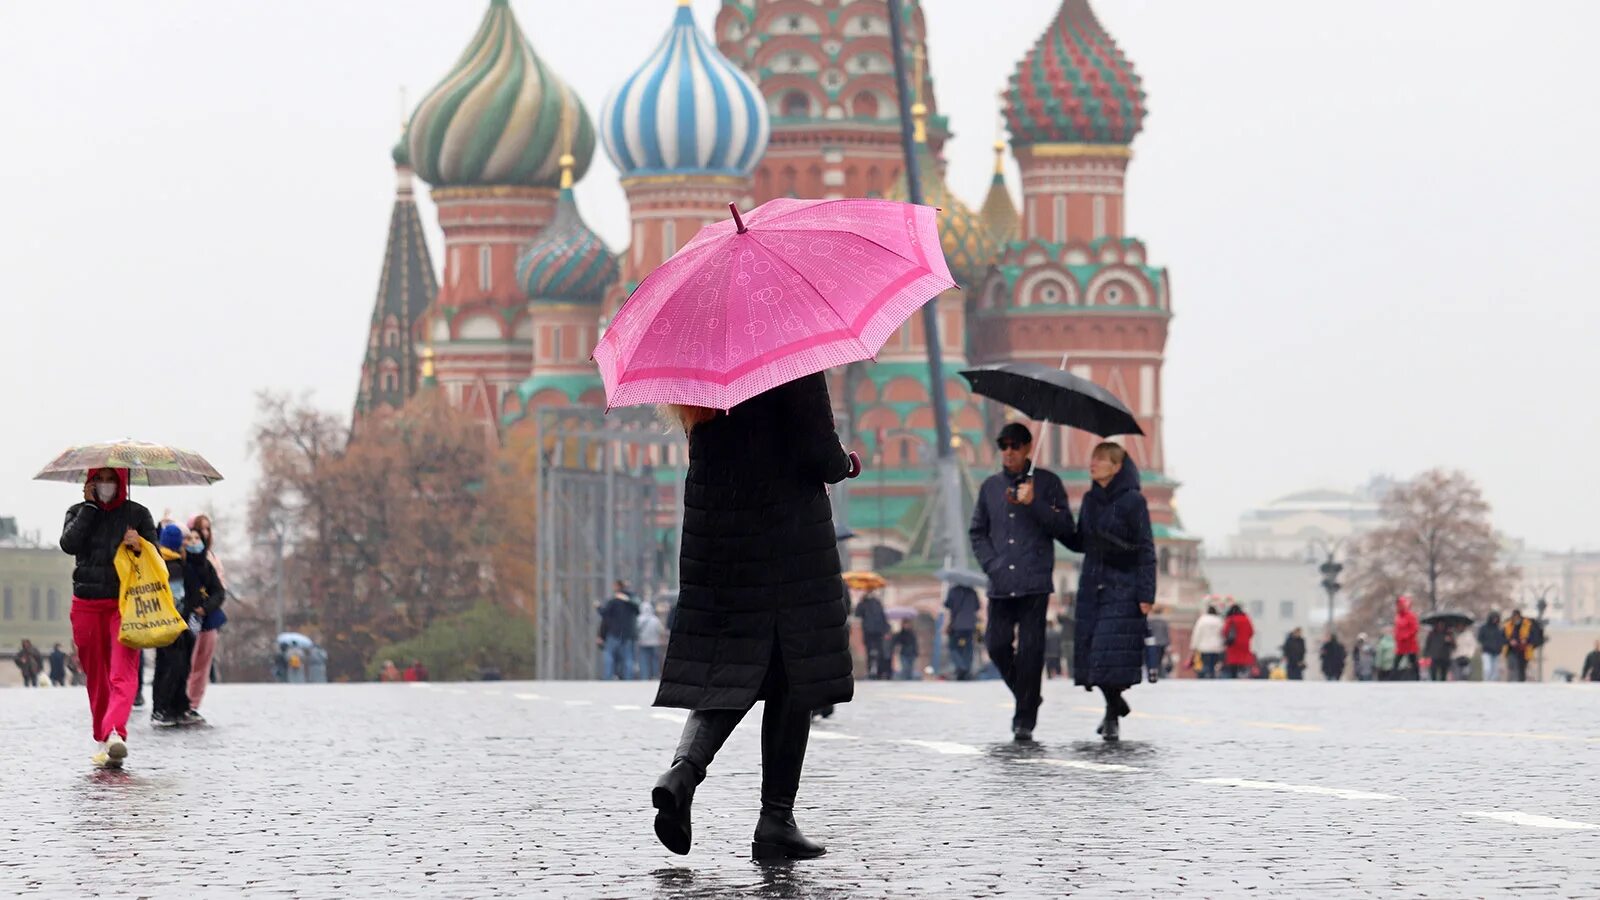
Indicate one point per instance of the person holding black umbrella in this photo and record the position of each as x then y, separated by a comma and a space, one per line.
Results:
962, 601
1116, 583
1020, 511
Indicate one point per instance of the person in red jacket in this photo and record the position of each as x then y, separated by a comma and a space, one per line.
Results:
1406, 648
1238, 631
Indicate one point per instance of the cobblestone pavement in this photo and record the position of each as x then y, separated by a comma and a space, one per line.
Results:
1219, 789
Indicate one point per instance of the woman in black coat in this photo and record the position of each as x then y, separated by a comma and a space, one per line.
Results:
1116, 584
762, 611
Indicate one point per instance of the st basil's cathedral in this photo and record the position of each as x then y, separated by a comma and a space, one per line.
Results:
786, 98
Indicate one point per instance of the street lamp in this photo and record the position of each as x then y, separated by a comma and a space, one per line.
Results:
1330, 570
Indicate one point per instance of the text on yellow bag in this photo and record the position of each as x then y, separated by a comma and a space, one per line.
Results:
149, 615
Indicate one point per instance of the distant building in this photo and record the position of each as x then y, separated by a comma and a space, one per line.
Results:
1289, 526
1569, 582
35, 601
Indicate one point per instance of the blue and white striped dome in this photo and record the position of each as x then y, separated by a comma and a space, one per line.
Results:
687, 110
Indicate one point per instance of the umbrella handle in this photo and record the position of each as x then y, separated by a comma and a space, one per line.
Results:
737, 219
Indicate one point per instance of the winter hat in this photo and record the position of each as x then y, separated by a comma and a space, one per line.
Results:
1015, 432
172, 537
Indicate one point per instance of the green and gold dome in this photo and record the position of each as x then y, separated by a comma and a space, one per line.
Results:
498, 117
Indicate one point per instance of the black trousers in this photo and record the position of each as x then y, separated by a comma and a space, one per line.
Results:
1015, 639
1516, 665
169, 690
877, 647
1439, 670
1410, 672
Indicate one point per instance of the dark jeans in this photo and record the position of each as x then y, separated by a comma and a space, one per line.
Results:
30, 679
1439, 670
877, 655
1516, 666
1016, 645
1409, 672
1155, 656
649, 662
1297, 671
169, 689
961, 650
1209, 663
1235, 671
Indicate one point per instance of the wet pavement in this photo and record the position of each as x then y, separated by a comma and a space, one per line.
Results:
1219, 789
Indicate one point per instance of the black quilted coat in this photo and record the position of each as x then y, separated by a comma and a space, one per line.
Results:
1119, 573
93, 533
760, 562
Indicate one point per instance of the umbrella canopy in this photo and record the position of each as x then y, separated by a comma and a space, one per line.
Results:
842, 532
1461, 620
1051, 395
153, 465
296, 639
864, 581
965, 577
797, 287
899, 613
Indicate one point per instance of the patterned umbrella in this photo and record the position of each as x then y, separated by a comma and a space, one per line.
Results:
152, 465
864, 581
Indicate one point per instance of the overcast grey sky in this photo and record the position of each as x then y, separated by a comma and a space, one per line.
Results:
1379, 215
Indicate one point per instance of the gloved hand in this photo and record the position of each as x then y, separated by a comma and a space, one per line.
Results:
855, 465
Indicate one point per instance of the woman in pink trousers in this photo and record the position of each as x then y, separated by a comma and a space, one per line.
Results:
205, 643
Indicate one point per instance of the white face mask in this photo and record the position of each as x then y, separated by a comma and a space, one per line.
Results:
106, 492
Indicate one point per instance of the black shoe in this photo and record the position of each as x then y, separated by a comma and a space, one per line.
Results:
192, 717
159, 719
672, 797
778, 838
1101, 728
1111, 730
1021, 734
1154, 678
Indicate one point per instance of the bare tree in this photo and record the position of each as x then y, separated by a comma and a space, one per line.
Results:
1436, 544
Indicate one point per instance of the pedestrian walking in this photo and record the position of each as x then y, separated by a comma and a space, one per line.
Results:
874, 636
619, 622
652, 634
906, 650
211, 622
1441, 649
94, 531
1407, 650
415, 672
1206, 639
1116, 583
1364, 658
1332, 656
29, 662
1052, 649
1591, 665
1238, 659
1385, 656
761, 605
1294, 655
58, 666
1491, 646
1020, 511
390, 673
1157, 639
169, 688
962, 628
1519, 646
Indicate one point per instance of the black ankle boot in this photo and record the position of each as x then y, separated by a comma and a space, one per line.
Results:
673, 797
1111, 731
779, 838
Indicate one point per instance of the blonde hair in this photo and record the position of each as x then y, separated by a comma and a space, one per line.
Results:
1110, 450
687, 417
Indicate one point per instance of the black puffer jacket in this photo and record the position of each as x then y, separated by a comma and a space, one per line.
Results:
92, 534
1014, 544
1119, 573
760, 563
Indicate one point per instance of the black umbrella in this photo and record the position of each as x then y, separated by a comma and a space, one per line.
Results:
1461, 620
1052, 395
964, 577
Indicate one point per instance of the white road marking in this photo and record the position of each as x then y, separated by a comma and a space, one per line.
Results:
625, 707
529, 696
1341, 793
453, 690
931, 698
946, 747
1084, 765
1522, 818
833, 735
680, 718
578, 702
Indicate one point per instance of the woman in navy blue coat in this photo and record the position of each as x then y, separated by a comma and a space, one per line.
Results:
1116, 584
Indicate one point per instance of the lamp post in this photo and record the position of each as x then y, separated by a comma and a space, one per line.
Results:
1540, 604
1330, 569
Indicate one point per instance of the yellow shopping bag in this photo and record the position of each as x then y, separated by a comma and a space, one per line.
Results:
149, 616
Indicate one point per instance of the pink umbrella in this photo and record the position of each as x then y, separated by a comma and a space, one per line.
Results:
808, 285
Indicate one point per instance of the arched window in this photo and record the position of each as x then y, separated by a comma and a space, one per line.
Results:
865, 105
796, 104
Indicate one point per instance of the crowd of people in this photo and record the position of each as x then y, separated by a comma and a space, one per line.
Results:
95, 531
631, 636
63, 666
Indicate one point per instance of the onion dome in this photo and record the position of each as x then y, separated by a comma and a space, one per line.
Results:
687, 111
567, 261
1075, 86
499, 116
401, 154
999, 213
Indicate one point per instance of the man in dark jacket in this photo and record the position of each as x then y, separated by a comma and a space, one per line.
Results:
30, 662
619, 619
1294, 655
58, 666
1333, 655
962, 627
1491, 644
169, 694
906, 650
1020, 511
1591, 665
874, 636
1441, 648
